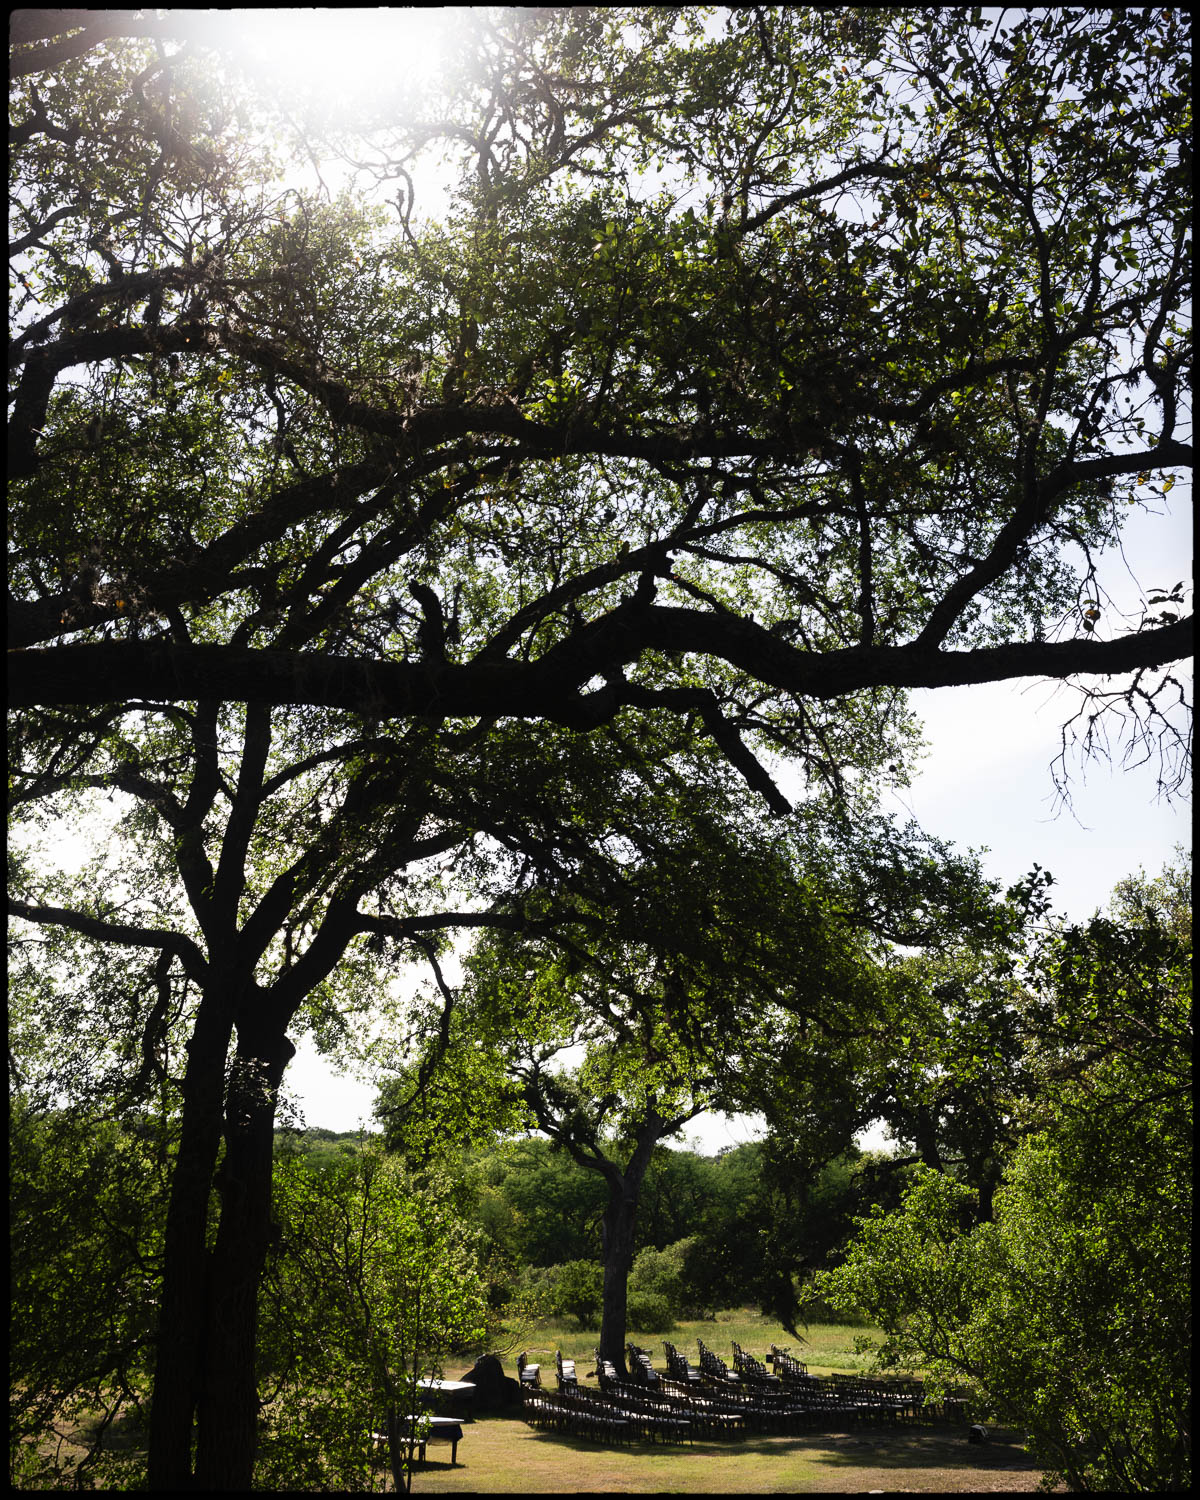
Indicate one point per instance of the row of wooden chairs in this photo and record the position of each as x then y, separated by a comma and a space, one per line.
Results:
655, 1416
712, 1401
708, 1418
753, 1370
897, 1398
576, 1412
786, 1364
792, 1397
641, 1371
882, 1400
760, 1410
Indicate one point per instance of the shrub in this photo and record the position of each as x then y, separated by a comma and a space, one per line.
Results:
649, 1312
660, 1273
579, 1292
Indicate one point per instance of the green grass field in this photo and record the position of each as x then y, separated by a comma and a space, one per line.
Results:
502, 1455
827, 1346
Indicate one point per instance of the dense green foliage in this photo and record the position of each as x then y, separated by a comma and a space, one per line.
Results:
1070, 1310
745, 1227
373, 1281
86, 1210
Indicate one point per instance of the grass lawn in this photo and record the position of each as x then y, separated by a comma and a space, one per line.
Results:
827, 1346
499, 1455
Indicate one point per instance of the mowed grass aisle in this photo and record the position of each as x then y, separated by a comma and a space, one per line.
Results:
500, 1455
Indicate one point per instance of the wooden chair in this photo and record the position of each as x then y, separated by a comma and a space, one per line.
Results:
528, 1375
678, 1367
753, 1370
714, 1367
565, 1370
640, 1369
787, 1366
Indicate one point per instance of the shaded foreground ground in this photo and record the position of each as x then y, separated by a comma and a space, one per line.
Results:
500, 1455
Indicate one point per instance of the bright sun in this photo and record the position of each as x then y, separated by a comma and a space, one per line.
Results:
331, 52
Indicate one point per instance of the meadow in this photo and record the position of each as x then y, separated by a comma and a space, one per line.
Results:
502, 1455
826, 1346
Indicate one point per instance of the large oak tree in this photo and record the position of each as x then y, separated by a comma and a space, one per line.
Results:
759, 367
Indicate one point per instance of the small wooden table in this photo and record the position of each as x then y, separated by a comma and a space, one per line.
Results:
441, 1430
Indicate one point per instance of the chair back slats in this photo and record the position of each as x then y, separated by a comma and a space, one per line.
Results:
752, 1369
640, 1369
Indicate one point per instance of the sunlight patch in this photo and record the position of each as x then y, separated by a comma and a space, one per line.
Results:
333, 53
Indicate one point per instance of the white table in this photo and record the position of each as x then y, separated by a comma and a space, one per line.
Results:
459, 1393
442, 1430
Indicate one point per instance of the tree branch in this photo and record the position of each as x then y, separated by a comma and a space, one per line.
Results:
190, 956
551, 687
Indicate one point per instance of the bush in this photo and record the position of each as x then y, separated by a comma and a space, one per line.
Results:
533, 1286
660, 1273
579, 1292
649, 1312
1070, 1310
818, 1310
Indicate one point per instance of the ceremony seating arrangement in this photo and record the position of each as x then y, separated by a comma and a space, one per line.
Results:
786, 1365
752, 1370
574, 1411
880, 1401
640, 1368
715, 1369
701, 1417
678, 1368
712, 1401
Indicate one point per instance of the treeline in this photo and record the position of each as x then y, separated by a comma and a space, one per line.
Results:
746, 1226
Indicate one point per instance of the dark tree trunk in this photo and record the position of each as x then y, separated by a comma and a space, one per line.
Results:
179, 1350
616, 1236
616, 1246
227, 1412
